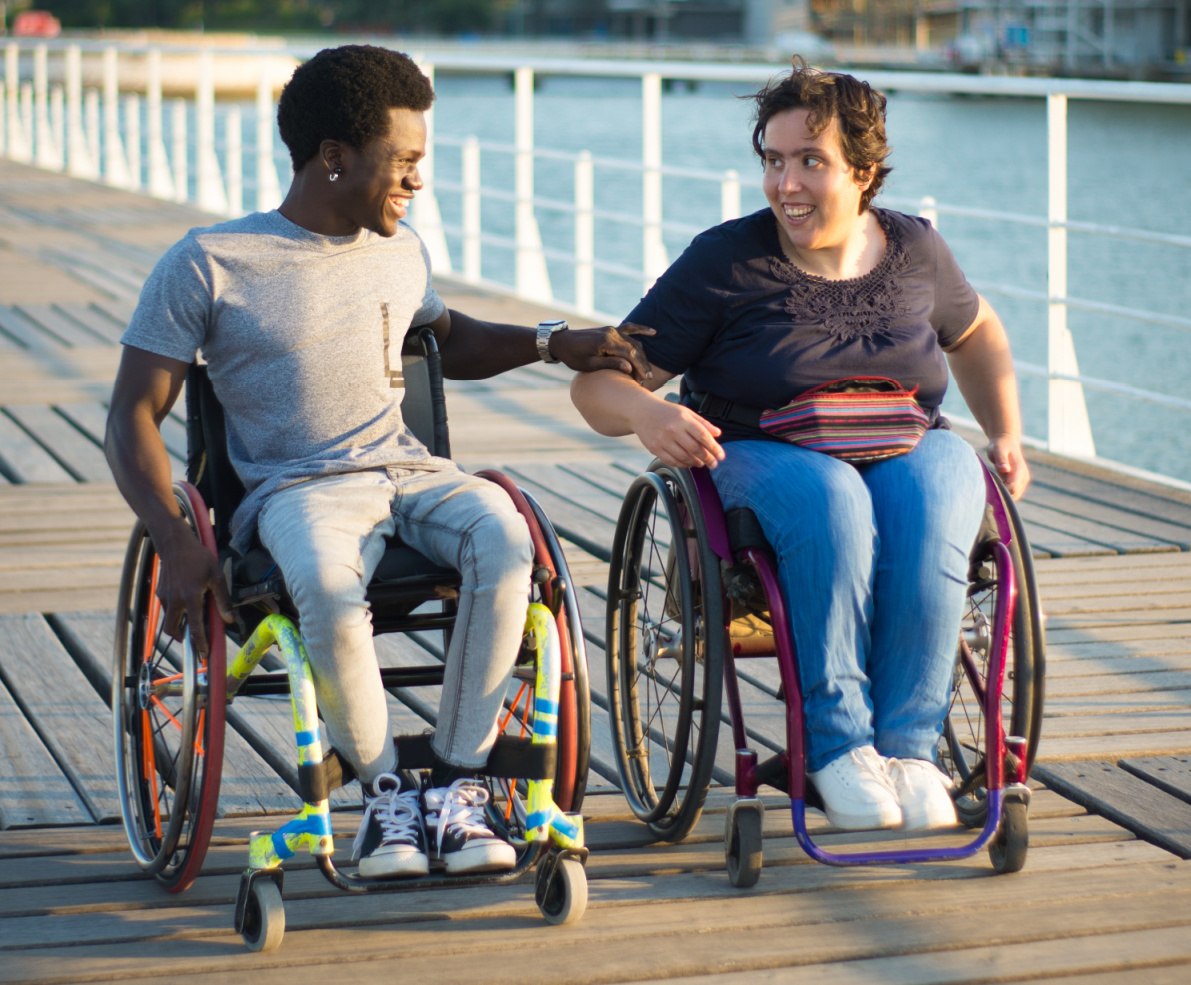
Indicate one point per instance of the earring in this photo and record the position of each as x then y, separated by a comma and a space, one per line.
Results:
335, 173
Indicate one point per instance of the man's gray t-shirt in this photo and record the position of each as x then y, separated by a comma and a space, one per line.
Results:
302, 335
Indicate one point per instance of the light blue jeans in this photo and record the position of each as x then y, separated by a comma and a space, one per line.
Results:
873, 562
327, 536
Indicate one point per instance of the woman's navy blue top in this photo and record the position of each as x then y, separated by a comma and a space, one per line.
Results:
744, 324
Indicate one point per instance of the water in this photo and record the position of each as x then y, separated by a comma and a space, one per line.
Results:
1127, 167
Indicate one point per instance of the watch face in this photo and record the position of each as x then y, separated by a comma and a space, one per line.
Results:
553, 326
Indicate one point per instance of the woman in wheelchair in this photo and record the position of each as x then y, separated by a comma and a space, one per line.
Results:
872, 510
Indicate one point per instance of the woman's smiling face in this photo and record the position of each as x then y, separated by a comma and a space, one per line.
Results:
809, 184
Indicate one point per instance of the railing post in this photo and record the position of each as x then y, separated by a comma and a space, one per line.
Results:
426, 217
654, 248
209, 194
58, 126
1069, 432
533, 279
115, 166
132, 139
472, 267
233, 140
927, 208
268, 189
159, 183
179, 145
91, 118
730, 196
14, 143
584, 233
78, 162
43, 139
27, 120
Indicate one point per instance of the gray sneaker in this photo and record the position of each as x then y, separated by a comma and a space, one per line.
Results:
391, 842
457, 830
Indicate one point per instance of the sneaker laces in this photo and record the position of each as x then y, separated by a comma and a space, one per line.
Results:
461, 811
917, 769
878, 766
398, 814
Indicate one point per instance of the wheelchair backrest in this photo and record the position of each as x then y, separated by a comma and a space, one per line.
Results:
209, 468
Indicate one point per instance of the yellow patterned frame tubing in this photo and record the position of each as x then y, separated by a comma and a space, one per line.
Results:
545, 819
311, 829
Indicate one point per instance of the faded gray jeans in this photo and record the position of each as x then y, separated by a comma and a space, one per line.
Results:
327, 536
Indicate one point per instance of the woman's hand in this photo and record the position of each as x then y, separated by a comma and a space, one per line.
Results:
1005, 454
678, 436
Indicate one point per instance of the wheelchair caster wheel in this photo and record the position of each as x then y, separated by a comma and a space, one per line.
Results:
742, 842
1007, 850
264, 917
561, 890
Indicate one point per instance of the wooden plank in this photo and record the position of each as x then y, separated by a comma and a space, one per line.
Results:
59, 326
1169, 773
24, 460
699, 937
1114, 747
1062, 536
60, 703
24, 333
94, 320
1125, 798
34, 792
76, 451
249, 784
1143, 499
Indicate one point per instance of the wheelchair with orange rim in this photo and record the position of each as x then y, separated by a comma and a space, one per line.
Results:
169, 702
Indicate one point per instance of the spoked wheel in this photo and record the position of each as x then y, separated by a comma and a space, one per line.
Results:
665, 651
168, 712
964, 736
507, 807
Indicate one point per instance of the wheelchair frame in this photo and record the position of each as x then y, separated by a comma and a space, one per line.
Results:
700, 583
169, 713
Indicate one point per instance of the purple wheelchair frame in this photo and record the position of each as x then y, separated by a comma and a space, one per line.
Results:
996, 743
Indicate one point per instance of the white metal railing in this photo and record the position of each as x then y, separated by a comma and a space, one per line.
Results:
62, 126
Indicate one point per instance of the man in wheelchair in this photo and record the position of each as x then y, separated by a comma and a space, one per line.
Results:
300, 314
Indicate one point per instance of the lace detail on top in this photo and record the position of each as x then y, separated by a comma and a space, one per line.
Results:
850, 309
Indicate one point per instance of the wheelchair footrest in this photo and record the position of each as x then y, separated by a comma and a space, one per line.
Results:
773, 772
512, 757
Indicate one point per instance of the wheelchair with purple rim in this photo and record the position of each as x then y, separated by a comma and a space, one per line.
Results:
693, 594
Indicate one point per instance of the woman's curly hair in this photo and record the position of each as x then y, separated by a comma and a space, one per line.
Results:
857, 106
345, 94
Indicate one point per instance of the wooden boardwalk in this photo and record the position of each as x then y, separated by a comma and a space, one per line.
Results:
1105, 896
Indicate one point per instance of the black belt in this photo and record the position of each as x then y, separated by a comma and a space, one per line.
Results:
709, 405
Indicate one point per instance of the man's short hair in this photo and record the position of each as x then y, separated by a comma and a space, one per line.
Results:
346, 94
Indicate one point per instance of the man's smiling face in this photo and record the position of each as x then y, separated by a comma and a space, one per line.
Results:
378, 183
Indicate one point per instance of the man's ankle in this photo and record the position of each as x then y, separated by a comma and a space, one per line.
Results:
443, 774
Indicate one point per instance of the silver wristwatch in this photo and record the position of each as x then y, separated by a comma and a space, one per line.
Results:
545, 330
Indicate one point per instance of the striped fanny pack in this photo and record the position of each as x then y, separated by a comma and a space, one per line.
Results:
864, 419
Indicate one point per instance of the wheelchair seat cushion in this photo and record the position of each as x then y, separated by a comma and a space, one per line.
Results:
400, 567
744, 530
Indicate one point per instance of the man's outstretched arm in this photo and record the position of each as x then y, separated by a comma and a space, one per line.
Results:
473, 349
147, 385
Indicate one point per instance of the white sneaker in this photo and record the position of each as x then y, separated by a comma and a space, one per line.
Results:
857, 792
923, 791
